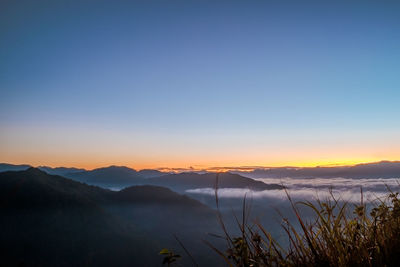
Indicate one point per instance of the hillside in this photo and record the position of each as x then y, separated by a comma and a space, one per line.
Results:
108, 176
148, 194
11, 167
63, 171
49, 220
184, 181
34, 187
113, 176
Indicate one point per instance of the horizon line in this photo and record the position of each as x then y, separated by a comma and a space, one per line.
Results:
213, 168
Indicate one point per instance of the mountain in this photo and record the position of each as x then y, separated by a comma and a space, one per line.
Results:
11, 167
113, 176
34, 187
383, 169
62, 171
124, 176
56, 171
109, 177
148, 173
154, 195
52, 221
48, 220
184, 181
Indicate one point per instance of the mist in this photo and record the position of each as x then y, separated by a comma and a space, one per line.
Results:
344, 189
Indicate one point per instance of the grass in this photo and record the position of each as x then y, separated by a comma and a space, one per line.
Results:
341, 234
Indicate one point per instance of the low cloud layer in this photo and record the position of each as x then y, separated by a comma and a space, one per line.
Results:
310, 189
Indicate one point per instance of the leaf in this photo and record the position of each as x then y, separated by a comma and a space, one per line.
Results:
164, 251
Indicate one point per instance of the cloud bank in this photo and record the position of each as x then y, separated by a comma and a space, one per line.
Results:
311, 189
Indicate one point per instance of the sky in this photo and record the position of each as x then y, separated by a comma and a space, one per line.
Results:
172, 84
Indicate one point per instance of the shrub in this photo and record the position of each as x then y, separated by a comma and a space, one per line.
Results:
335, 237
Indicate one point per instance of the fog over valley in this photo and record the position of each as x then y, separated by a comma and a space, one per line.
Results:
345, 189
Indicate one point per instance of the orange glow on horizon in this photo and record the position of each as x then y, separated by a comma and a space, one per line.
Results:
90, 149
183, 166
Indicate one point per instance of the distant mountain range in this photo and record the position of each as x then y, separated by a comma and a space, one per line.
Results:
78, 172
63, 171
184, 181
112, 176
116, 177
11, 167
48, 220
383, 169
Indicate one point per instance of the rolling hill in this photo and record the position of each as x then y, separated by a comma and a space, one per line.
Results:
48, 220
114, 176
184, 181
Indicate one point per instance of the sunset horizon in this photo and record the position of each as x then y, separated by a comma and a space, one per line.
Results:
199, 133
211, 168
167, 88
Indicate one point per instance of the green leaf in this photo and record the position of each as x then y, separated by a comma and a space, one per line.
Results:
164, 251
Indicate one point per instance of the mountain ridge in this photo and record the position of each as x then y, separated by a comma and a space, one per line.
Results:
52, 220
184, 181
381, 169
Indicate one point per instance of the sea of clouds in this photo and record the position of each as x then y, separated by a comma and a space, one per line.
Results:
313, 188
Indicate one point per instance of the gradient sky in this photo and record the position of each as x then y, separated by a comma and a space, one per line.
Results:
199, 83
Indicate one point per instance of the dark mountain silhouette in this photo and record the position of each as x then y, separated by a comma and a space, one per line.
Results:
11, 167
34, 187
383, 169
62, 171
148, 173
52, 221
48, 220
184, 181
120, 177
110, 176
114, 176
154, 195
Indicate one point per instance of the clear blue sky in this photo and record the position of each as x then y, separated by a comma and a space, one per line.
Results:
199, 83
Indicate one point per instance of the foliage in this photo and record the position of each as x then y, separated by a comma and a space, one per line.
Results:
169, 256
369, 236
